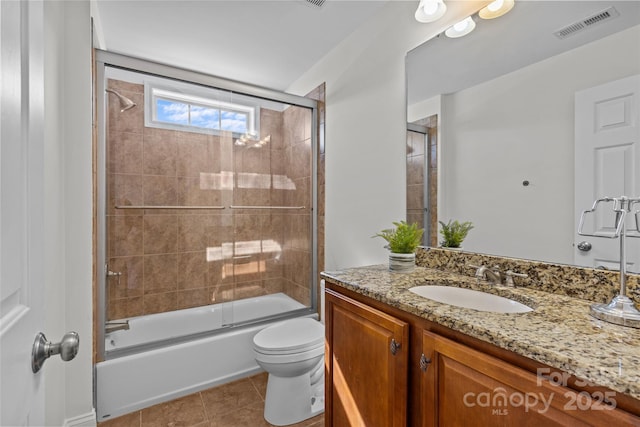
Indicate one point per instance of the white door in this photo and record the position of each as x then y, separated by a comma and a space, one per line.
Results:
607, 164
21, 210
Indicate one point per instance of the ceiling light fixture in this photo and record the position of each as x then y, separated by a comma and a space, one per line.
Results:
496, 9
462, 28
430, 10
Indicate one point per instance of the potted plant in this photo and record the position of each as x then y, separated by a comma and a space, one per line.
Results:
402, 242
454, 232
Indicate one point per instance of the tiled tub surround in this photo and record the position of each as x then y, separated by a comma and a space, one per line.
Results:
422, 167
173, 259
559, 332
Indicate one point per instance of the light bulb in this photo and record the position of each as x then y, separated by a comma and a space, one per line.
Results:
496, 5
430, 10
430, 7
496, 9
461, 28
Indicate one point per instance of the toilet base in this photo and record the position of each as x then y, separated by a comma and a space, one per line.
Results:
291, 400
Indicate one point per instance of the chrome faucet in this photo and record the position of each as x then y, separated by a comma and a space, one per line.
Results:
116, 326
485, 273
508, 280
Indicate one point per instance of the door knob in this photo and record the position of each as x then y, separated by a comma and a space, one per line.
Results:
584, 246
67, 348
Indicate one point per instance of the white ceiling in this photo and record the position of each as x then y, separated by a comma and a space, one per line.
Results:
268, 43
272, 43
522, 37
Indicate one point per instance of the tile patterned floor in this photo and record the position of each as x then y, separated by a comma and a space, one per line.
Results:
237, 404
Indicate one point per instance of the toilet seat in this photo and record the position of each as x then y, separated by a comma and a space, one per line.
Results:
290, 337
286, 358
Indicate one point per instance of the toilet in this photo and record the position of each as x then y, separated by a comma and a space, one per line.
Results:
292, 353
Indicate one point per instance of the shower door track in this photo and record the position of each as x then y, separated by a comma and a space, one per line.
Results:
266, 207
169, 207
208, 207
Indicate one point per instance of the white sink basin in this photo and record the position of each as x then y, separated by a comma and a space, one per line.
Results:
469, 298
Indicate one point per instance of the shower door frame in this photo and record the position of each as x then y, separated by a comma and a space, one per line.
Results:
105, 59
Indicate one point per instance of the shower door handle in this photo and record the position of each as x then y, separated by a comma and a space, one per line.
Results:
67, 348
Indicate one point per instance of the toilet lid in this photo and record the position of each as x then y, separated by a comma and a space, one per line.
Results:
290, 336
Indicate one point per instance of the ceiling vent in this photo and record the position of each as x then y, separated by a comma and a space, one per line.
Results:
586, 23
316, 3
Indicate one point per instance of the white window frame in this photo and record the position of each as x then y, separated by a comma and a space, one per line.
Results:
199, 97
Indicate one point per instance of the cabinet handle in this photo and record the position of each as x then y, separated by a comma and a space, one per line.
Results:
394, 347
424, 363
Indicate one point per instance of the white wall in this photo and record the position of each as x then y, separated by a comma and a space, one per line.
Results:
366, 129
423, 109
68, 205
521, 127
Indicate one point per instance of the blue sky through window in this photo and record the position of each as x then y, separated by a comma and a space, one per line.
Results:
172, 112
182, 113
235, 122
205, 117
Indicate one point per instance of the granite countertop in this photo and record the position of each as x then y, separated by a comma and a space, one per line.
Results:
559, 332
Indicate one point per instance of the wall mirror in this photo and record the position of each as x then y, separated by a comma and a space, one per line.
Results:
505, 101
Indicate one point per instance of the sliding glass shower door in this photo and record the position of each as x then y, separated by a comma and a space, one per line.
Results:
208, 200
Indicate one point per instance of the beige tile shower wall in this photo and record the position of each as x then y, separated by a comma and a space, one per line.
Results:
255, 169
417, 158
415, 178
297, 247
173, 259
433, 180
318, 94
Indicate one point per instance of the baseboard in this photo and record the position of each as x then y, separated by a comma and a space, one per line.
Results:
86, 420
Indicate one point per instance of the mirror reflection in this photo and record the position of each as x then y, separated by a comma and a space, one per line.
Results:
533, 116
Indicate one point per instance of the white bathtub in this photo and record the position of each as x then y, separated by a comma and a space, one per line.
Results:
132, 382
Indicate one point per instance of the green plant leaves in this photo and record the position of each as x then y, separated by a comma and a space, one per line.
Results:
404, 239
454, 232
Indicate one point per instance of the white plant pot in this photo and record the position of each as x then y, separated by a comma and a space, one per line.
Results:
402, 262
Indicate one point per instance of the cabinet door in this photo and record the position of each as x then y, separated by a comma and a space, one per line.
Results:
366, 365
462, 386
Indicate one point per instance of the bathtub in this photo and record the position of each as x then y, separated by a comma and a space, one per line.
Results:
152, 373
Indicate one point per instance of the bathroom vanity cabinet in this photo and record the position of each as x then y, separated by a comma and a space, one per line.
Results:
387, 367
366, 364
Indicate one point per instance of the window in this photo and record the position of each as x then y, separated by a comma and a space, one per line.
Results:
178, 110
